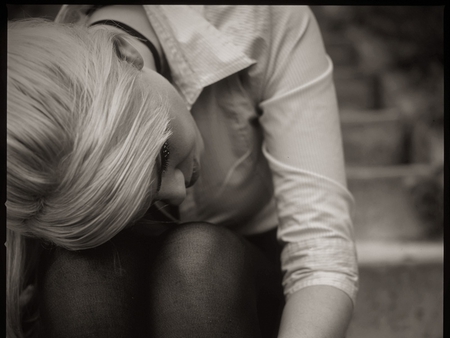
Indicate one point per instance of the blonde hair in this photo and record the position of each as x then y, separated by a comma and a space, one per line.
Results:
83, 134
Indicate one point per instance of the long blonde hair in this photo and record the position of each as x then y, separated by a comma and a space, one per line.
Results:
83, 134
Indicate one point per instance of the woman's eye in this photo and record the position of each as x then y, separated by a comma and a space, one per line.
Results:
165, 152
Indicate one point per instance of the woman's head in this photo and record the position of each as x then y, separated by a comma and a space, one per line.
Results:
87, 133
84, 130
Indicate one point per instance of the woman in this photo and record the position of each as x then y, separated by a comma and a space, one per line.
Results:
262, 96
87, 141
88, 152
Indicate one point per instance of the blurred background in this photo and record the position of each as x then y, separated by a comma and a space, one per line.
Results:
389, 76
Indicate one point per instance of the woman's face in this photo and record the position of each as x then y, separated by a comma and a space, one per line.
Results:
185, 145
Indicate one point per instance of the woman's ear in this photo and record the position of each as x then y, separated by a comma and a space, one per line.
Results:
125, 51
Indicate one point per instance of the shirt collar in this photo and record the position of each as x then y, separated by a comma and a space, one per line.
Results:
198, 53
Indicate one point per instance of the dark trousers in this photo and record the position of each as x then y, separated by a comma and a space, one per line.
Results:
196, 280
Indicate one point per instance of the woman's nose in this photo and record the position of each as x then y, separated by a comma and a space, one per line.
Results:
173, 188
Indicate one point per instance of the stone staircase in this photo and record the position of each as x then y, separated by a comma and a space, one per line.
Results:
400, 262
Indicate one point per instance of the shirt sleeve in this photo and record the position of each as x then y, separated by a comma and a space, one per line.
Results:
303, 145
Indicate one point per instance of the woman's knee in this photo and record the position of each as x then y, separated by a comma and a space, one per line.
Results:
113, 262
94, 291
198, 260
202, 248
202, 279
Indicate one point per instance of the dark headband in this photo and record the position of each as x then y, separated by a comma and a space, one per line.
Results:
137, 35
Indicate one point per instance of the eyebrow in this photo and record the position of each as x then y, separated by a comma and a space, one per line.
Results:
131, 31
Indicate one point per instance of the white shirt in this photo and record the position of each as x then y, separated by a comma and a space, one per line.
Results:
259, 84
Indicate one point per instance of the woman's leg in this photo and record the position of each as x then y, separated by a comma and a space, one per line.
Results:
201, 281
210, 282
95, 292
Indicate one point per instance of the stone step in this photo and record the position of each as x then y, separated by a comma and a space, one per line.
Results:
373, 137
387, 205
427, 144
356, 90
401, 291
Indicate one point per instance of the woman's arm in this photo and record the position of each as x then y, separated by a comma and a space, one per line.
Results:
302, 143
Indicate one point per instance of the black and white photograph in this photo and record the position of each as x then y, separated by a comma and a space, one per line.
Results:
224, 171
